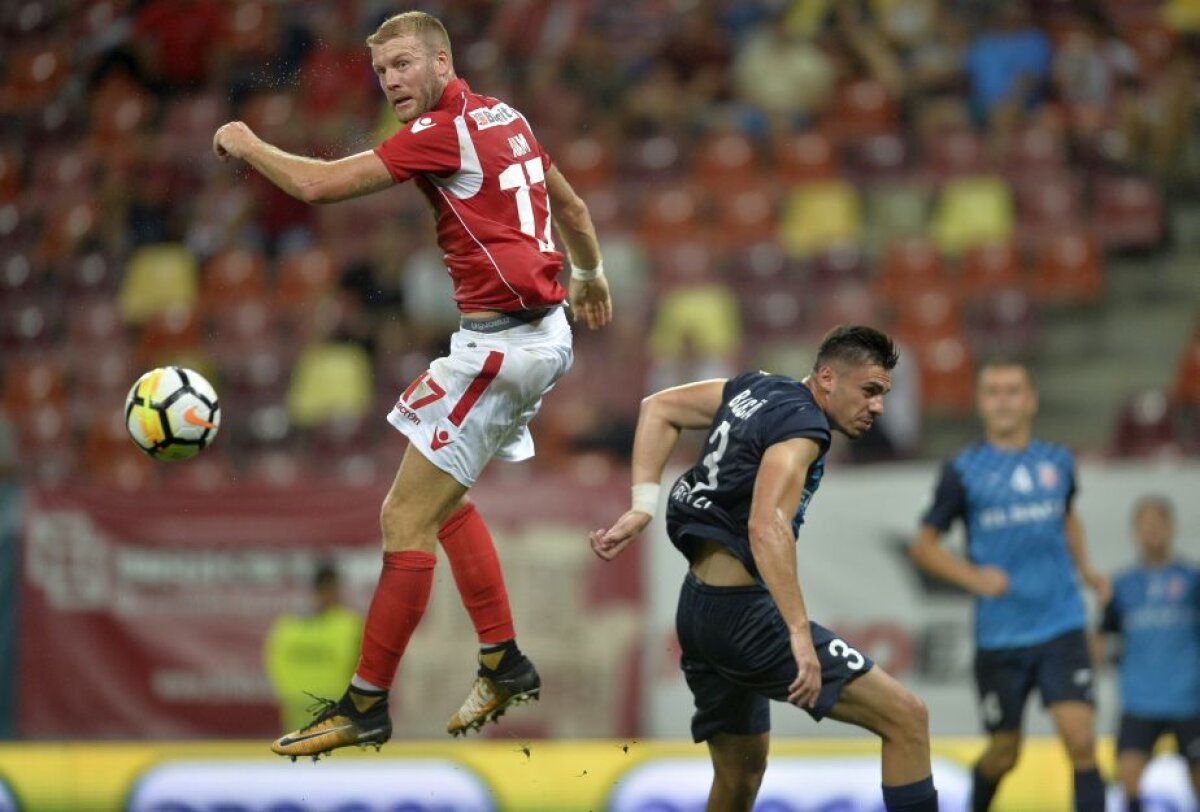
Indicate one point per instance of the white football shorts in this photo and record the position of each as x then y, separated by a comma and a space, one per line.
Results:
476, 403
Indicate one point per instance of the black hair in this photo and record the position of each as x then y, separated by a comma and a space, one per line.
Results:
856, 345
324, 575
1155, 502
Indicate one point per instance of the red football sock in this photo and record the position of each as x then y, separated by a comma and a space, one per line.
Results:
468, 545
396, 608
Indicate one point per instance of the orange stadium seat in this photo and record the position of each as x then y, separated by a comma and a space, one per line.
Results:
745, 215
10, 175
1035, 149
33, 382
233, 275
807, 156
928, 313
94, 322
119, 109
657, 158
955, 151
1068, 268
1048, 203
171, 336
110, 460
35, 74
990, 267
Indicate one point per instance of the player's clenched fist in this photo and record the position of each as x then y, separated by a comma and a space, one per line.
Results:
609, 543
233, 139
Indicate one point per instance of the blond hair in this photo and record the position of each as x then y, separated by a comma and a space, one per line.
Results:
425, 27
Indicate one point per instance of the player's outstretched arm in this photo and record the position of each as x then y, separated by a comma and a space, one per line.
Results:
588, 290
778, 489
661, 419
1097, 581
307, 179
928, 553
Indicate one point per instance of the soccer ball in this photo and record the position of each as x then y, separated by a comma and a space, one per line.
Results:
172, 413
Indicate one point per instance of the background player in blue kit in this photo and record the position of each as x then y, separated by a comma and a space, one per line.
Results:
1024, 546
742, 624
1155, 608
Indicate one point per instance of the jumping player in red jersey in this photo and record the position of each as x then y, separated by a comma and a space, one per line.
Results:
495, 192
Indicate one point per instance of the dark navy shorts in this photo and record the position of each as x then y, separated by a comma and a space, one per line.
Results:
737, 656
1061, 670
1140, 733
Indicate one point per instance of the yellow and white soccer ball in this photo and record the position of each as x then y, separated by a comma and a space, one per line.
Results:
172, 413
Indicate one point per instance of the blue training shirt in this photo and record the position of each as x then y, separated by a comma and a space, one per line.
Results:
711, 500
1014, 504
1156, 610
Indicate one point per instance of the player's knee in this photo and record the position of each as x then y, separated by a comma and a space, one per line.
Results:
1081, 748
743, 778
403, 526
1002, 754
910, 718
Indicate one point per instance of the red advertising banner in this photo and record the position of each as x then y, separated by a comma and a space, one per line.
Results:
145, 615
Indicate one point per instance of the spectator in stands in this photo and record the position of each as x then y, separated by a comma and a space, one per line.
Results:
1008, 66
312, 651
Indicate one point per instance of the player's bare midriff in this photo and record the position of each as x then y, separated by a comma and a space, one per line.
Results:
716, 566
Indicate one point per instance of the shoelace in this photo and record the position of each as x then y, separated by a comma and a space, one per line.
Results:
481, 694
321, 708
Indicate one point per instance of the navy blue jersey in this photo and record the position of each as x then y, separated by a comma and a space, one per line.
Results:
711, 500
1014, 504
1157, 613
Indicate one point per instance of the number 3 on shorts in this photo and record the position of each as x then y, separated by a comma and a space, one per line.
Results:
840, 648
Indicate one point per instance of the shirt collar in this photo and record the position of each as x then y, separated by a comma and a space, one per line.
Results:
453, 90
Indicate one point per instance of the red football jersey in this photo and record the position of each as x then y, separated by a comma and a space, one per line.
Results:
476, 160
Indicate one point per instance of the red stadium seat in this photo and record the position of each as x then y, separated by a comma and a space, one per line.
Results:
231, 276
864, 108
33, 382
657, 158
670, 214
1068, 268
586, 162
110, 459
306, 277
30, 322
1035, 149
1005, 323
927, 313
807, 156
947, 376
989, 268
685, 262
1146, 425
956, 151
93, 274
35, 75
839, 265
1128, 213
1187, 376
909, 264
727, 161
746, 215
1048, 203
171, 336
10, 175
885, 156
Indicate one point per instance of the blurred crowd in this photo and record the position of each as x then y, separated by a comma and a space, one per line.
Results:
758, 171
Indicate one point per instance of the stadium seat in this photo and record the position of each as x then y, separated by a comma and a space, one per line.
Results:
955, 151
990, 267
170, 337
89, 275
119, 110
10, 175
1035, 150
1128, 212
231, 276
820, 215
190, 121
1187, 377
839, 265
727, 161
745, 215
928, 313
756, 262
1068, 268
806, 156
1146, 425
94, 322
910, 264
305, 278
1004, 323
31, 322
586, 162
895, 211
657, 158
670, 214
35, 74
20, 274
1048, 203
865, 108
33, 382
880, 157
686, 262
110, 460
947, 376
972, 211
156, 278
330, 380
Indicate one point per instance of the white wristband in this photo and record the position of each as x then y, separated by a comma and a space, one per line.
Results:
584, 275
645, 497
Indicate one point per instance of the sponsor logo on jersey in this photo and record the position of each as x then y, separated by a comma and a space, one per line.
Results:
496, 116
1021, 481
407, 413
420, 785
423, 124
441, 438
